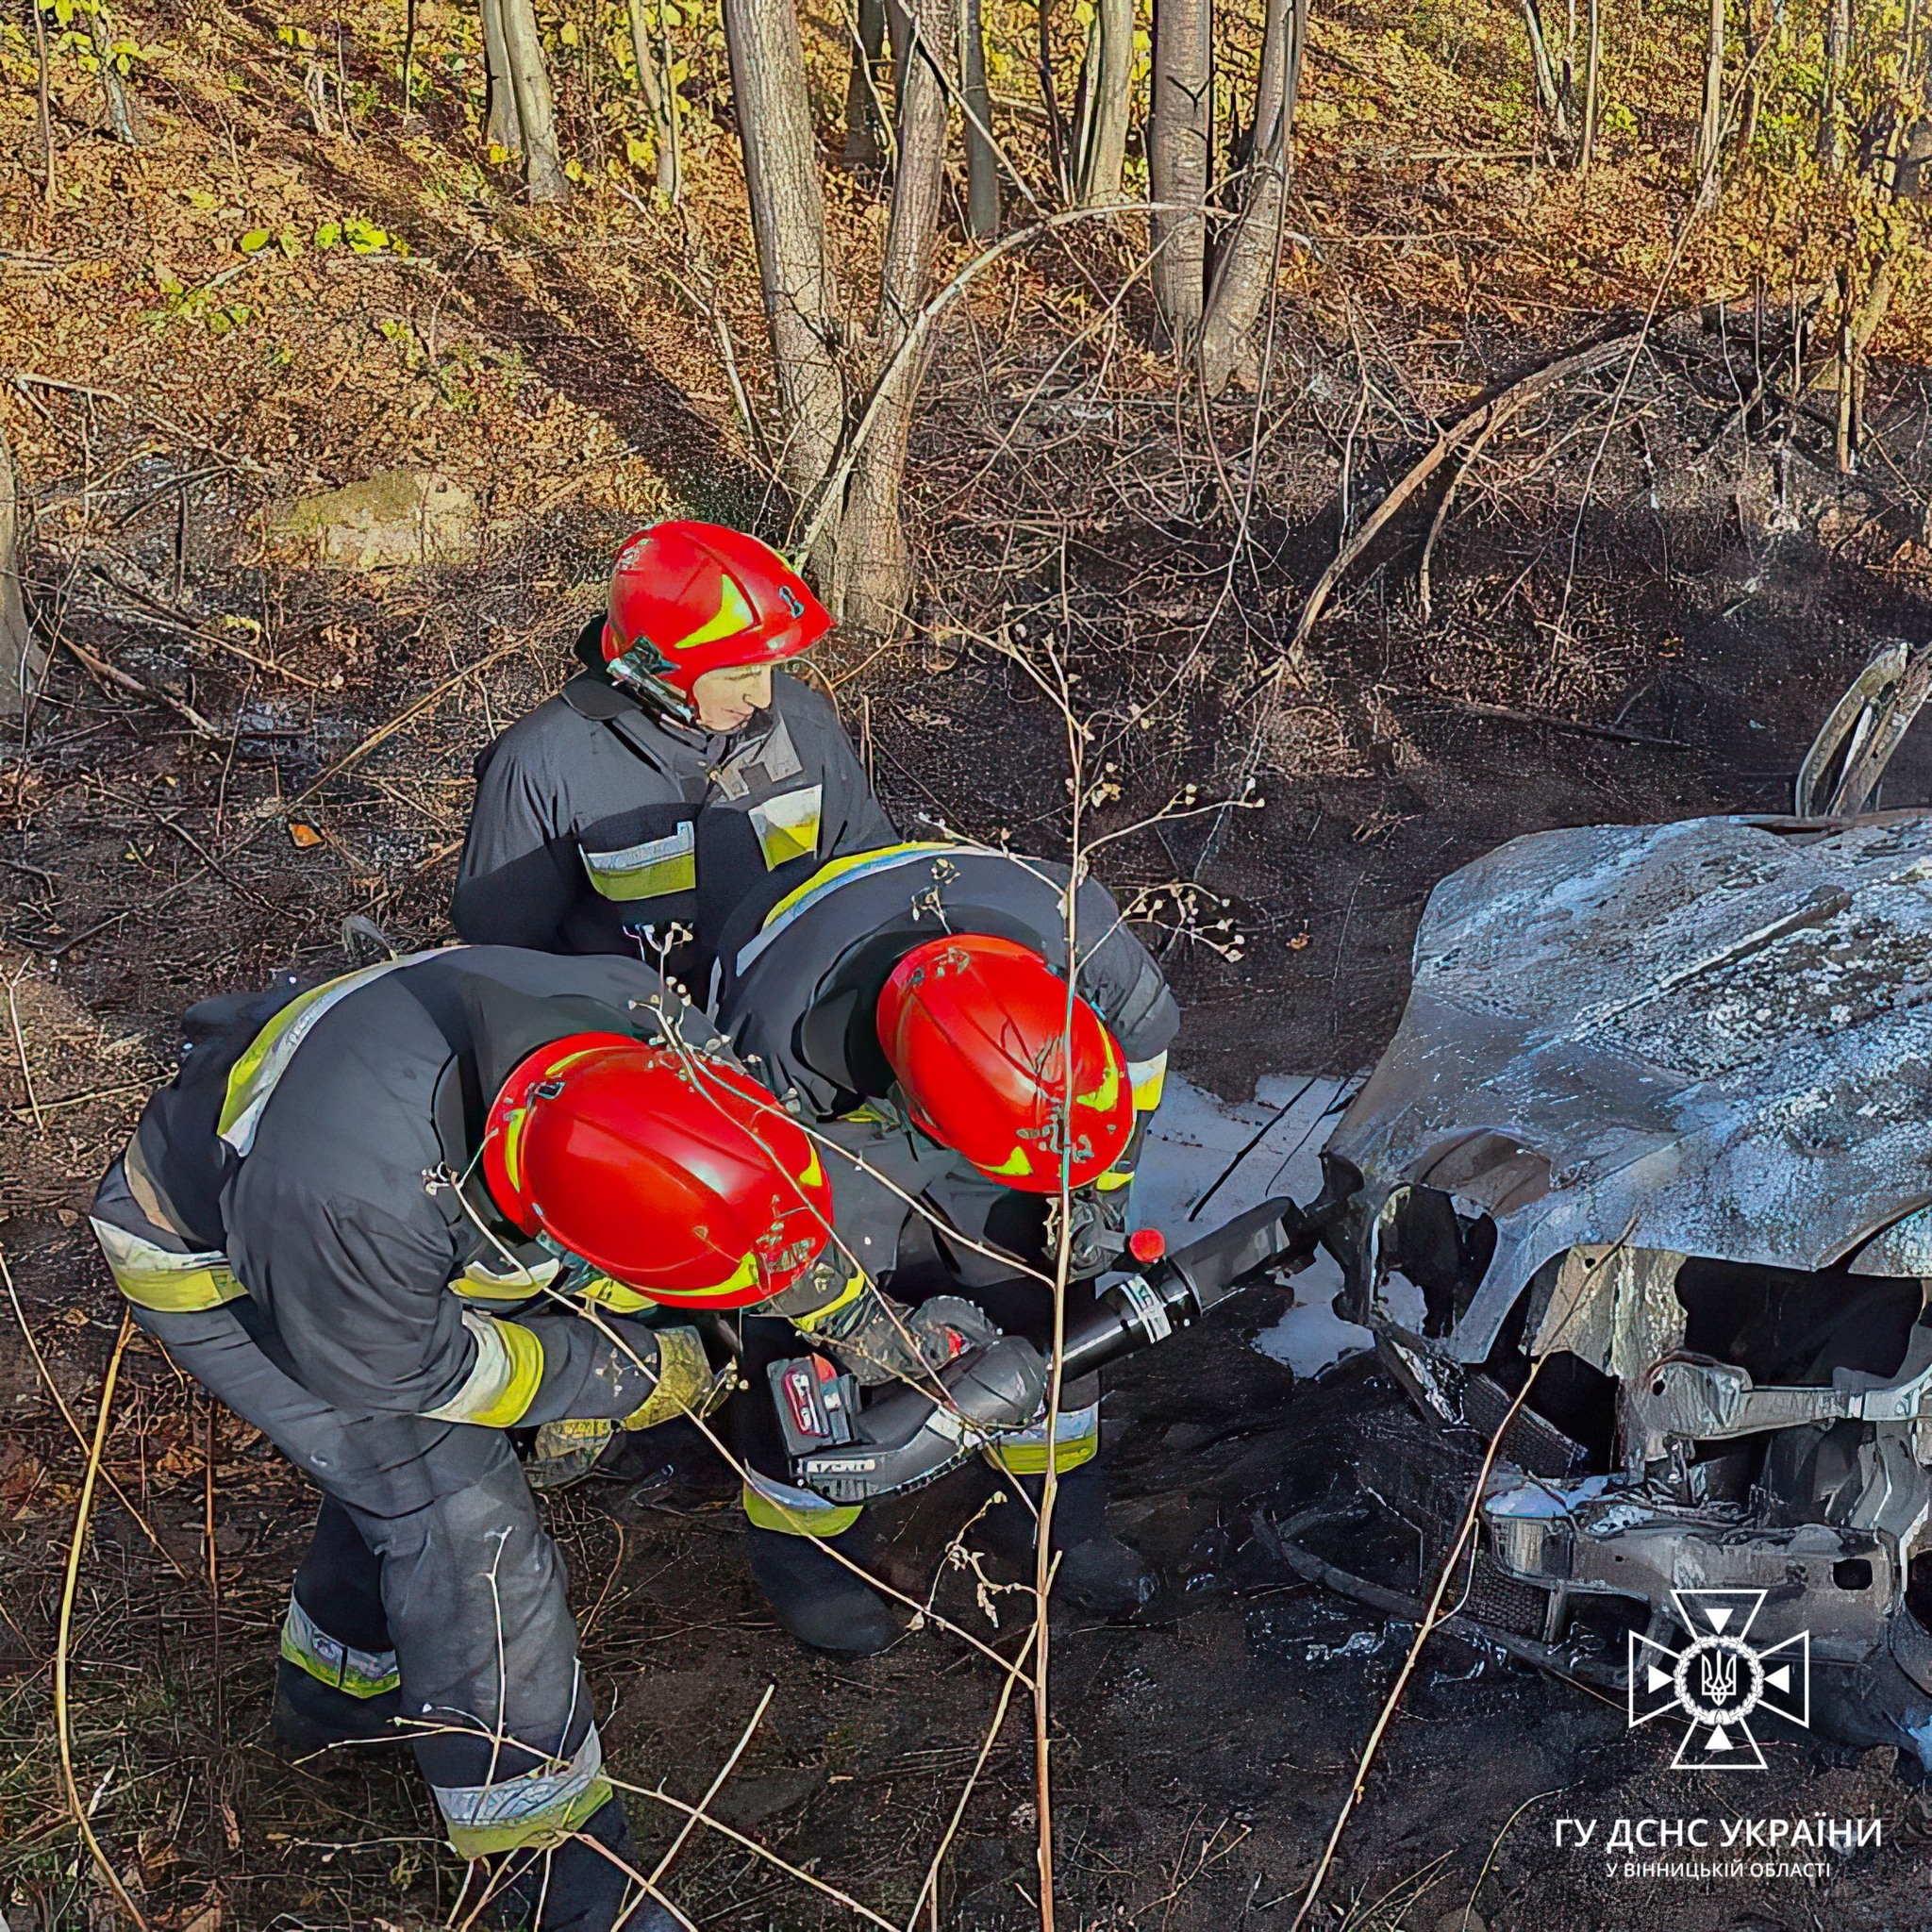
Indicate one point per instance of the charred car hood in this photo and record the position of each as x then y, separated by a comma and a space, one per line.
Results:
1711, 1038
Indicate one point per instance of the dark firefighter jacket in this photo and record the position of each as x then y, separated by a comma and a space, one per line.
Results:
799, 985
304, 1164
598, 825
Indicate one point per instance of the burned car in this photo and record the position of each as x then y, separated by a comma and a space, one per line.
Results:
1654, 1144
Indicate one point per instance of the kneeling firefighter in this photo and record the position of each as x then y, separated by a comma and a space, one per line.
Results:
389, 1219
917, 1000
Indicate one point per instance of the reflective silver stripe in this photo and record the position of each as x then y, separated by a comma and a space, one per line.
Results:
1077, 1425
524, 1804
1148, 1309
864, 868
360, 1673
796, 1502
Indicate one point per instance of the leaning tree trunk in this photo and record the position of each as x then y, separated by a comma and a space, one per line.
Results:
788, 221
661, 99
1711, 125
862, 145
500, 126
1247, 264
1106, 104
875, 578
982, 164
22, 660
1179, 149
543, 175
122, 123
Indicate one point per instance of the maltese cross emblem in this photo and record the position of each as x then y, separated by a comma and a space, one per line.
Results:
1719, 1679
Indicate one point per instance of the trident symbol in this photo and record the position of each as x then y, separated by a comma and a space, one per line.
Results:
1719, 1672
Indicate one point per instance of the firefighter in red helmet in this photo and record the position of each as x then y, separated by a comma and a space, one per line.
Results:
681, 774
922, 1004
390, 1218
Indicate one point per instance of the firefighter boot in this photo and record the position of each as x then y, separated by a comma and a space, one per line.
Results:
815, 1598
1097, 1572
309, 1715
574, 1887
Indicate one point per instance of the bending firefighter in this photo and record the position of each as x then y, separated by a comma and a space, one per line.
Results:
676, 777
916, 1002
388, 1220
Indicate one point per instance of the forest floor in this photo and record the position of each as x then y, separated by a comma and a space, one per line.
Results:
1640, 610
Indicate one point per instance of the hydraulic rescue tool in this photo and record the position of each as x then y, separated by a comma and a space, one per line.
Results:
853, 1452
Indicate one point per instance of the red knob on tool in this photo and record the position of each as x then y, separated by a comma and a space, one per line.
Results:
1146, 1244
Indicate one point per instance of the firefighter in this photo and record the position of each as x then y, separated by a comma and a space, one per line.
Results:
677, 776
386, 1221
917, 999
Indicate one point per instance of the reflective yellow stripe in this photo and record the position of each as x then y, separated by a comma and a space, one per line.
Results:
479, 1282
1075, 1440
732, 616
1103, 1097
650, 871
171, 1284
837, 872
1147, 1079
1016, 1162
787, 827
796, 1512
503, 1379
359, 1672
806, 1325
613, 1295
253, 1078
540, 1808
1114, 1179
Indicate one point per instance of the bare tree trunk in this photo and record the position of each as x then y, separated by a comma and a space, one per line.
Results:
22, 661
1107, 86
1547, 90
46, 109
876, 576
1753, 83
1246, 267
1049, 100
1179, 149
899, 33
1592, 62
543, 175
788, 220
661, 99
120, 114
1710, 127
501, 128
862, 147
1838, 40
982, 164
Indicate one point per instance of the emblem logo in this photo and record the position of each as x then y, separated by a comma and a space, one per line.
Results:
1719, 1679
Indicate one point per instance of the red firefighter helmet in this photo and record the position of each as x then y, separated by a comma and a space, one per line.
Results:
681, 1179
976, 1030
687, 598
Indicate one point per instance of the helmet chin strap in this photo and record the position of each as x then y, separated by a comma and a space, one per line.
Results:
632, 671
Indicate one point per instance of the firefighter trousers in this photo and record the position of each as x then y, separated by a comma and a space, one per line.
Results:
432, 1576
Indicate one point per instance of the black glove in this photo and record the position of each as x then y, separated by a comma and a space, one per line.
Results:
879, 1340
